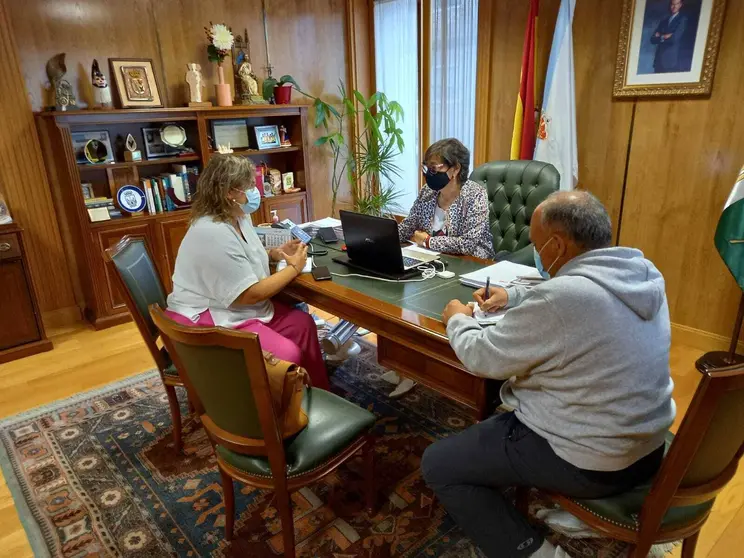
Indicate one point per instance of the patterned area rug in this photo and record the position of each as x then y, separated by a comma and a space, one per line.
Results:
96, 475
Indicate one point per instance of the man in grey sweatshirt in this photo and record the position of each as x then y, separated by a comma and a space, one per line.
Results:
585, 356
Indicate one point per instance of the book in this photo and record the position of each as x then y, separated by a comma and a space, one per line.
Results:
501, 275
167, 186
176, 183
147, 188
186, 186
156, 195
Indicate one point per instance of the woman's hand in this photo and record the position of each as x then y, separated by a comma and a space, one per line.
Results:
420, 238
287, 248
497, 300
296, 259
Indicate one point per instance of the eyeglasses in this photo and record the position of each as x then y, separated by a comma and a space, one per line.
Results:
432, 169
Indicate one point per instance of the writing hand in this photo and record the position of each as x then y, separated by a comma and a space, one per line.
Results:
456, 307
498, 299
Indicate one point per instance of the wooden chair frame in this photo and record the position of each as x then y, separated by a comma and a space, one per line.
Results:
666, 492
169, 382
272, 445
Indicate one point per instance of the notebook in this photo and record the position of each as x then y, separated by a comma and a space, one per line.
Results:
501, 274
487, 318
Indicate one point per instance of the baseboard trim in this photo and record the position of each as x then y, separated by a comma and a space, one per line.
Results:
61, 317
703, 340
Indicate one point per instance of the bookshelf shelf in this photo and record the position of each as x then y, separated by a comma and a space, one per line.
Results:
144, 163
249, 152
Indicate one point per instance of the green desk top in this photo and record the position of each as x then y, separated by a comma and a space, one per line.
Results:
427, 298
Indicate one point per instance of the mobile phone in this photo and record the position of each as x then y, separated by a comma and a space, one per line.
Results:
296, 231
321, 274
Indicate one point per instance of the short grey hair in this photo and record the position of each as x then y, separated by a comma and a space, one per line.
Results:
581, 216
451, 151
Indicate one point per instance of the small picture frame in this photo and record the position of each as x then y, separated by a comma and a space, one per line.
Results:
81, 139
230, 132
135, 82
267, 137
155, 147
87, 189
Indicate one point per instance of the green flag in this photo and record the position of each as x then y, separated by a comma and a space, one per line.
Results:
729, 237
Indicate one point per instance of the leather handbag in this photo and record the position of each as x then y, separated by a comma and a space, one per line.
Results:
287, 383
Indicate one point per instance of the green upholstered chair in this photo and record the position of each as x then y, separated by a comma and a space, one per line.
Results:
224, 369
132, 269
515, 189
700, 460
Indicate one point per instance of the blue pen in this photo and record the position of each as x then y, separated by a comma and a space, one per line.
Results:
488, 290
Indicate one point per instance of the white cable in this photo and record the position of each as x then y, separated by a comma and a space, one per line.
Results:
427, 272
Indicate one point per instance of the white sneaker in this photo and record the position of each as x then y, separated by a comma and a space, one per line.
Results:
405, 385
391, 377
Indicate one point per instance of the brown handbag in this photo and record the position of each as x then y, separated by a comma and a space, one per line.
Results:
287, 383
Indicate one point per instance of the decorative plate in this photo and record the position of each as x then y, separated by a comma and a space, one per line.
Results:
95, 151
173, 135
131, 199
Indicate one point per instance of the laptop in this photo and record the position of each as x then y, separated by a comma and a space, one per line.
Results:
373, 246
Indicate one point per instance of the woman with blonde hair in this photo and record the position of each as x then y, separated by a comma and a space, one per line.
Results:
222, 274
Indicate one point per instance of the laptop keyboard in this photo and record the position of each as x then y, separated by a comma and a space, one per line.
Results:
411, 262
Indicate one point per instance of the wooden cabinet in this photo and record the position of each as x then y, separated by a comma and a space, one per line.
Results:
21, 330
85, 241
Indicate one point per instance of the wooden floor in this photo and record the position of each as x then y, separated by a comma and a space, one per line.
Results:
84, 359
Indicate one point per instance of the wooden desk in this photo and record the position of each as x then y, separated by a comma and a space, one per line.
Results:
405, 316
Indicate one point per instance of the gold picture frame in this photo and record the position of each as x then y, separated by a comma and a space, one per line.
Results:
135, 83
651, 61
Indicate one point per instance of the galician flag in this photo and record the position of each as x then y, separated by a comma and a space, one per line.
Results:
523, 135
729, 237
556, 133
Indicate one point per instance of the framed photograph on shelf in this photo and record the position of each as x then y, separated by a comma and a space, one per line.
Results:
100, 142
230, 132
135, 83
155, 146
267, 137
668, 47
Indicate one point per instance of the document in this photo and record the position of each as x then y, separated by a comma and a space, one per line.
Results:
487, 318
501, 275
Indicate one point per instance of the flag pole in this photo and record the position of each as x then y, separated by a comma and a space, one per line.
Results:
720, 359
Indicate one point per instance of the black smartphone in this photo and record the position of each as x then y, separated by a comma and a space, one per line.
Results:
321, 274
327, 235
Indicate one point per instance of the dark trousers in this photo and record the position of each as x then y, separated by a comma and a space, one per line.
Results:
468, 470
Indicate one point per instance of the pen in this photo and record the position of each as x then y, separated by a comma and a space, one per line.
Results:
488, 288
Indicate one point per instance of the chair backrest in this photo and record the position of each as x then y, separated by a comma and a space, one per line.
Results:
515, 189
131, 265
225, 370
706, 450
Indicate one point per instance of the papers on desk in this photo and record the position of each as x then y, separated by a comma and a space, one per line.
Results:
501, 274
321, 223
487, 318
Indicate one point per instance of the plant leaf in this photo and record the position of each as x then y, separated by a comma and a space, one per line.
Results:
361, 99
268, 88
333, 110
288, 79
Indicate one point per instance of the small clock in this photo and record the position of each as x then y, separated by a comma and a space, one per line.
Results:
131, 199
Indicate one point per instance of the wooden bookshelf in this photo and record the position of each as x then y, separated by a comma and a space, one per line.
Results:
85, 241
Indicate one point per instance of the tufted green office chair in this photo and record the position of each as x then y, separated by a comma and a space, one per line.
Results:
515, 189
132, 269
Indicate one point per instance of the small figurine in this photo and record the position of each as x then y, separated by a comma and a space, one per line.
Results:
131, 153
249, 85
194, 81
224, 149
64, 98
101, 91
283, 136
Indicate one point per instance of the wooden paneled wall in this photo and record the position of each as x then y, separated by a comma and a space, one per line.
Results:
682, 155
306, 40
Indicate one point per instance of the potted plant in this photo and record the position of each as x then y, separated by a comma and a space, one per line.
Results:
221, 40
280, 89
368, 162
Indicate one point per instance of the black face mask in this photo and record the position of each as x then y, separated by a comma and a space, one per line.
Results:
437, 180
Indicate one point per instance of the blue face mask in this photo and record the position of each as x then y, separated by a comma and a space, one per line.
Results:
538, 261
254, 201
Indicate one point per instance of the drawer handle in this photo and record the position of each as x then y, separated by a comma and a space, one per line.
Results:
4, 246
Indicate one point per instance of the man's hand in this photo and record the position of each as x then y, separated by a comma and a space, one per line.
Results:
289, 248
667, 36
456, 307
498, 299
419, 237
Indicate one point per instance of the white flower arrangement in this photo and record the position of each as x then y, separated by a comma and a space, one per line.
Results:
220, 39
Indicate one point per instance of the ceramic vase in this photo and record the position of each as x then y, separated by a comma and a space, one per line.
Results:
222, 89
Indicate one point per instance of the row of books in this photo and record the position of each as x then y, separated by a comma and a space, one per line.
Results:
170, 191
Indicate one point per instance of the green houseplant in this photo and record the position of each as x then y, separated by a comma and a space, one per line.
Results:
276, 88
368, 159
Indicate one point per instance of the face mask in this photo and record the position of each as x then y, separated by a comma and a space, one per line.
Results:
538, 261
437, 181
253, 201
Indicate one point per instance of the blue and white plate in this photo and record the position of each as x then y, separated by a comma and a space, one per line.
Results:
131, 199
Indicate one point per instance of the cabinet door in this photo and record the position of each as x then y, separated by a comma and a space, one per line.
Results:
113, 300
17, 318
171, 235
288, 206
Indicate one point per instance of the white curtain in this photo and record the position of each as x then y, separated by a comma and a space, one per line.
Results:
397, 71
454, 50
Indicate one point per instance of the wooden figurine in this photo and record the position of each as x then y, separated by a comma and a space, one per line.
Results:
194, 81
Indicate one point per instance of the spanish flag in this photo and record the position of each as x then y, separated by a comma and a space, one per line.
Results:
523, 138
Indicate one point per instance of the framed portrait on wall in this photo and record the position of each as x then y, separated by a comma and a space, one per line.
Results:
668, 47
135, 83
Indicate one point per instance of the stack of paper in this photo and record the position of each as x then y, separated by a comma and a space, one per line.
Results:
311, 227
487, 318
501, 275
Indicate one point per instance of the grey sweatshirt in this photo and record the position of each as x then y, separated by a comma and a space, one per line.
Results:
587, 358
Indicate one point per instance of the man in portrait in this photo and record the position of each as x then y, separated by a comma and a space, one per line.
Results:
668, 39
